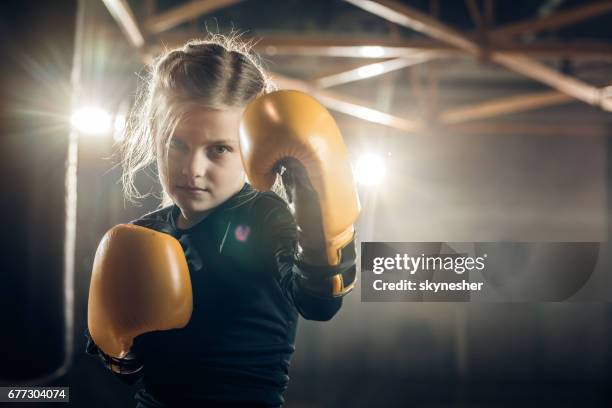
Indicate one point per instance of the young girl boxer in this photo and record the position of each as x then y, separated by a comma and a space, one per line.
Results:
201, 298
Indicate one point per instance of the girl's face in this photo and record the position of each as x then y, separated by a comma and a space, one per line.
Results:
204, 163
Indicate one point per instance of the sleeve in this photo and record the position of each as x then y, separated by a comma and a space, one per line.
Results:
281, 248
131, 367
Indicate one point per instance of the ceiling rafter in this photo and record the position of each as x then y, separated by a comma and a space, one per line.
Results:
416, 20
554, 21
348, 106
475, 14
407, 53
357, 109
122, 13
371, 70
185, 12
405, 16
480, 21
504, 106
389, 48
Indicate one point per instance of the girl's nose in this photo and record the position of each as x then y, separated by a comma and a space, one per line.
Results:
196, 165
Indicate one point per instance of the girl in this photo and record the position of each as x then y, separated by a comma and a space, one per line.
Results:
241, 244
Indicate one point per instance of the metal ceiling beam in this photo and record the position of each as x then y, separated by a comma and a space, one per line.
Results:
554, 21
341, 66
122, 13
504, 106
185, 12
385, 48
542, 73
349, 106
403, 15
556, 49
351, 48
371, 70
369, 48
414, 19
475, 14
480, 21
273, 45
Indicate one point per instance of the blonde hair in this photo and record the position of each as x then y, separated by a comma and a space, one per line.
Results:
218, 72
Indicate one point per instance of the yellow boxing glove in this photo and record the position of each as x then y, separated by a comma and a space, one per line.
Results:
140, 283
291, 129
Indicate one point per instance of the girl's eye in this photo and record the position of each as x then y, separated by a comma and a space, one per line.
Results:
219, 150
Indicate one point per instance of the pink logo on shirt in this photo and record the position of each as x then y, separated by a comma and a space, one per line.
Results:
242, 232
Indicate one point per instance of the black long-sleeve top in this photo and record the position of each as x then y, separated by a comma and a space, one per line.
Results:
247, 294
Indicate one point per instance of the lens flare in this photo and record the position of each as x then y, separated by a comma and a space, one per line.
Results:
92, 121
370, 170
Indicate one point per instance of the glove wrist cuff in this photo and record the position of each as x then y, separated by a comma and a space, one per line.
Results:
330, 280
126, 365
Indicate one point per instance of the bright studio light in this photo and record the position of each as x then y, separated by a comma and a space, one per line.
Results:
372, 51
93, 121
370, 170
